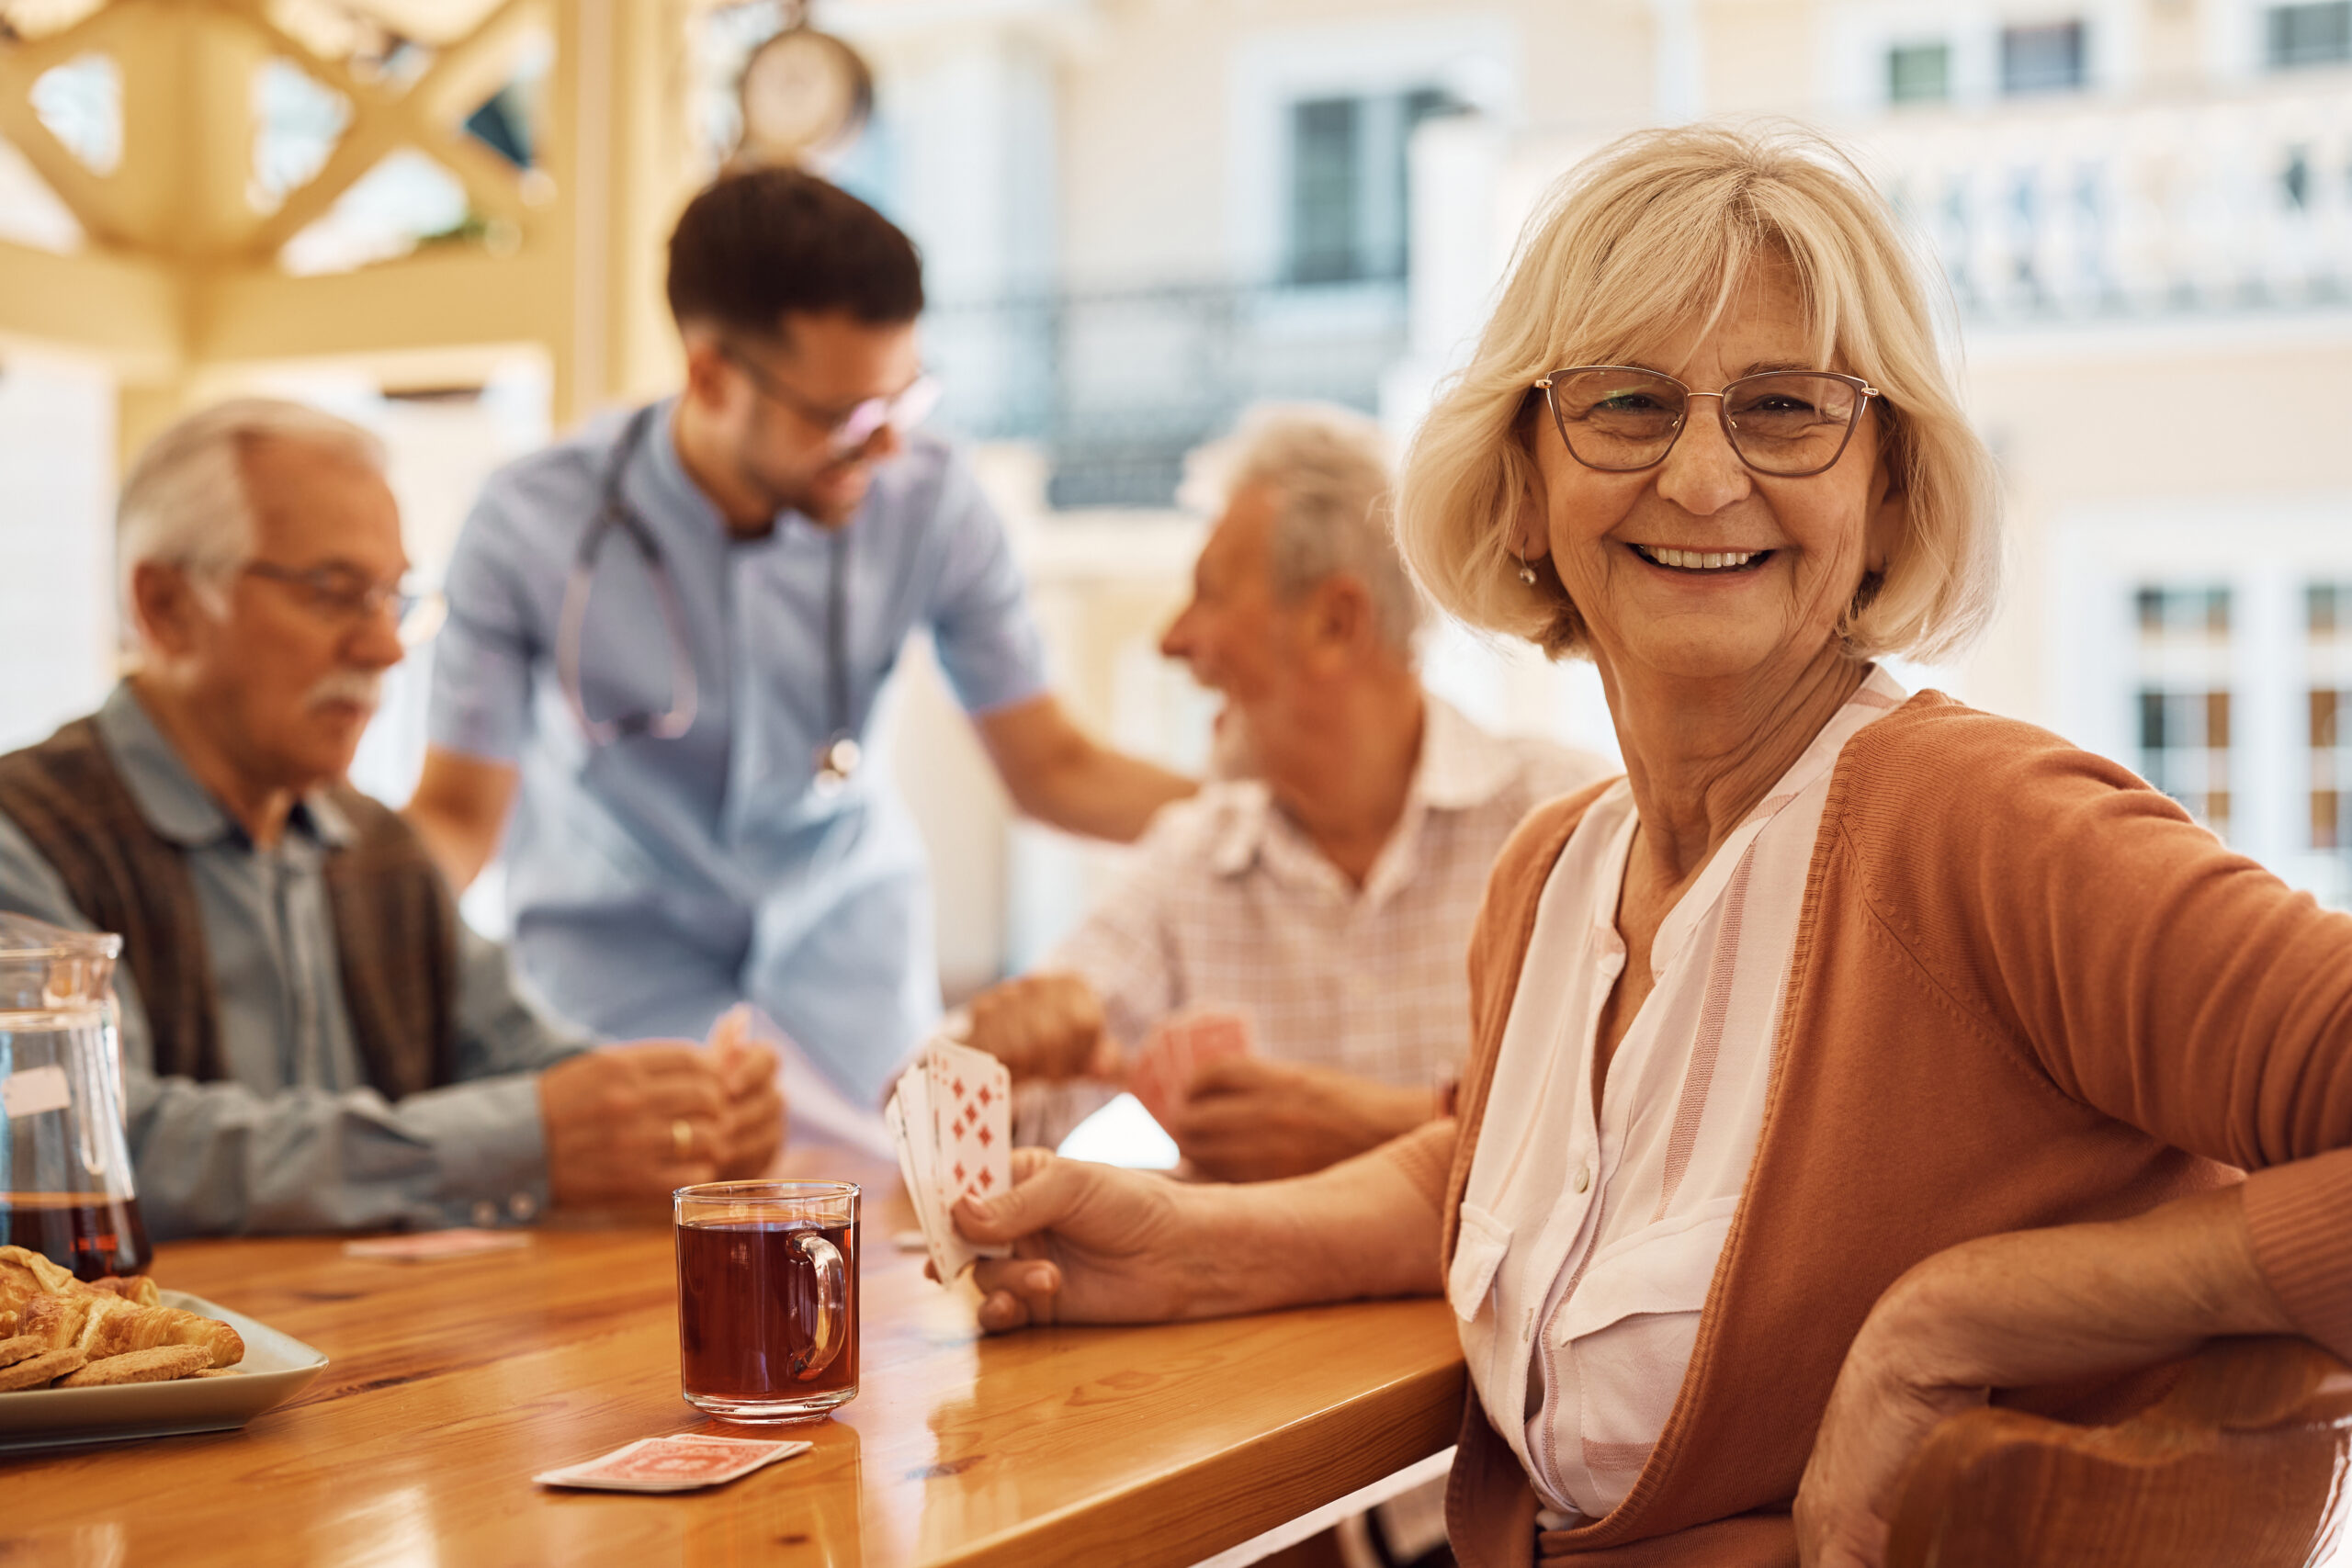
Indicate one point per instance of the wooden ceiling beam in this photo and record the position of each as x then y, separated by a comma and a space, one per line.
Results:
126, 310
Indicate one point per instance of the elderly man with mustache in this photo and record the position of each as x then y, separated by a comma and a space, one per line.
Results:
312, 1040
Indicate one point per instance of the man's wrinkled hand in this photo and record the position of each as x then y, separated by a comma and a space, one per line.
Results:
1091, 1244
1249, 1119
627, 1125
752, 1129
1043, 1026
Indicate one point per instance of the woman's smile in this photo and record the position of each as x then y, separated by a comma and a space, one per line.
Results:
1702, 563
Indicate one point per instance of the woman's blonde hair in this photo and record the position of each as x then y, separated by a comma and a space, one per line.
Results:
1651, 234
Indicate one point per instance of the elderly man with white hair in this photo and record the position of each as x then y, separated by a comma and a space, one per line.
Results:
1324, 888
312, 1040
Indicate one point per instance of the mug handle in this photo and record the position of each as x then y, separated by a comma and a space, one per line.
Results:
832, 1305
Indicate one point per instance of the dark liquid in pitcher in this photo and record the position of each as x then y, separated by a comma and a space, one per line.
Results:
747, 1310
93, 1236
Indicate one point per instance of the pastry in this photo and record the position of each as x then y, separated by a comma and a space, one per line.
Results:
135, 1288
47, 1317
112, 1326
160, 1365
56, 1321
36, 1370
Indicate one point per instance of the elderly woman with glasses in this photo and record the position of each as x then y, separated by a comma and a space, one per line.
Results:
1853, 1058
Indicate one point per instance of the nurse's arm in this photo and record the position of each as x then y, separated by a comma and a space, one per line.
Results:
460, 809
1064, 777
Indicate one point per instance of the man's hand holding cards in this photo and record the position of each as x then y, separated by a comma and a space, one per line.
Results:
951, 1119
1173, 1055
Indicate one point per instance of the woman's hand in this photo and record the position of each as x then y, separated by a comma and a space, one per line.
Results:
1095, 1244
2018, 1311
1886, 1403
1091, 1244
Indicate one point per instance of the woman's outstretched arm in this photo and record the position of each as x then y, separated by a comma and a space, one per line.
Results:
1096, 1244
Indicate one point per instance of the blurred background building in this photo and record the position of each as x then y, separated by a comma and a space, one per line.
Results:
445, 216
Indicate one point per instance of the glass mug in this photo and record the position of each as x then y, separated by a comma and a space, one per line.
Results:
767, 1298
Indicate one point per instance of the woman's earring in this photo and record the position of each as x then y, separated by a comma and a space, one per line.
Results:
1526, 572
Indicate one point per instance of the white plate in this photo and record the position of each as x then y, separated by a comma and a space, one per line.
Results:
277, 1367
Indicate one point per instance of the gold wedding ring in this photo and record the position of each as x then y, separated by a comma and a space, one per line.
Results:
681, 1136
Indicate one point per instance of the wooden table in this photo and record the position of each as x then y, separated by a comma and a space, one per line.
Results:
452, 1383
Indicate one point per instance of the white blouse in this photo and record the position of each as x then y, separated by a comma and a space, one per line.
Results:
1589, 1240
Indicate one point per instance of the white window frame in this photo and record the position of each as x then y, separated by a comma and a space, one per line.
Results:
1857, 34
2264, 551
1473, 56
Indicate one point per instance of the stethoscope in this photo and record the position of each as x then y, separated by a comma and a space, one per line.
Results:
836, 760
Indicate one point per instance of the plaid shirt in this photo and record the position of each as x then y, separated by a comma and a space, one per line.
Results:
1230, 905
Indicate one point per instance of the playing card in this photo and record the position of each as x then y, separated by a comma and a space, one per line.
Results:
671, 1464
909, 1104
1179, 1046
434, 1247
951, 1121
974, 1115
971, 1107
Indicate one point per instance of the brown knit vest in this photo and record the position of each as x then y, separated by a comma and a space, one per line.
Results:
395, 927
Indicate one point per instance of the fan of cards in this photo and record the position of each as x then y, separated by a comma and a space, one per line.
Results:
1172, 1056
951, 1119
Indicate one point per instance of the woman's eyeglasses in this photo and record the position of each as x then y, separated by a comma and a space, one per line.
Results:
1787, 424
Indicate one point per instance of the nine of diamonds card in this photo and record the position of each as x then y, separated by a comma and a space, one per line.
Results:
951, 1121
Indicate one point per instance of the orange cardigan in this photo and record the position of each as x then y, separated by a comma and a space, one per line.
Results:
2027, 990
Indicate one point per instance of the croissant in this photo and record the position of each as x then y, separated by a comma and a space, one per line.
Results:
21, 1281
40, 1277
135, 1288
57, 1321
113, 1326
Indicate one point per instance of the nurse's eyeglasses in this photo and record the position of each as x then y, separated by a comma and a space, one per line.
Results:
846, 433
349, 597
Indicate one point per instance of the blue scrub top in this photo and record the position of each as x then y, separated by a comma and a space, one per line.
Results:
655, 882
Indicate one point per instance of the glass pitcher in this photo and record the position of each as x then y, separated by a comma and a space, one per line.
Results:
67, 1167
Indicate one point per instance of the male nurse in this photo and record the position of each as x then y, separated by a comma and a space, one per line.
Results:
668, 637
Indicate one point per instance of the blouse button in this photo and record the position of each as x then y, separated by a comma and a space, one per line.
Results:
1584, 1178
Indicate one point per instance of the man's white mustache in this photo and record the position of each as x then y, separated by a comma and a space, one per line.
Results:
360, 687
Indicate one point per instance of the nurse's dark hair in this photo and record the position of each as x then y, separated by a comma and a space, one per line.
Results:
757, 246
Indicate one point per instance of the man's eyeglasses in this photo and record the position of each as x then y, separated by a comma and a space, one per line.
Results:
1787, 424
350, 597
847, 433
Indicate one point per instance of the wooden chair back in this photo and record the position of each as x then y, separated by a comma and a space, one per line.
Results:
2243, 1464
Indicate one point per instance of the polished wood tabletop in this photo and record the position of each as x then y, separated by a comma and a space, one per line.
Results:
452, 1383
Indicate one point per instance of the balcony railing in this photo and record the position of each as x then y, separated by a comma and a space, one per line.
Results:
2096, 209
1117, 386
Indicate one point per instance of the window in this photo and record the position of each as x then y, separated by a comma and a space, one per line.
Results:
1349, 209
2184, 698
2310, 35
2328, 620
1326, 190
1919, 74
2045, 58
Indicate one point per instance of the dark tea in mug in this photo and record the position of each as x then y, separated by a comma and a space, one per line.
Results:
767, 1298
